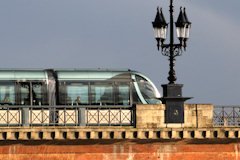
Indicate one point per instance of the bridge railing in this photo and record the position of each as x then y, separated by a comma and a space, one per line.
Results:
226, 116
94, 116
67, 115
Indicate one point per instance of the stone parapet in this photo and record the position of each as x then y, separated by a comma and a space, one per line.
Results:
149, 124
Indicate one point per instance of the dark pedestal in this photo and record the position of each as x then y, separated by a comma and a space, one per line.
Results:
172, 98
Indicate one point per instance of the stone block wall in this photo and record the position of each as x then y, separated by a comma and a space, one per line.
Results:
150, 116
205, 115
195, 116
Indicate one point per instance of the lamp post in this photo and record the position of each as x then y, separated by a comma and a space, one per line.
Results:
172, 92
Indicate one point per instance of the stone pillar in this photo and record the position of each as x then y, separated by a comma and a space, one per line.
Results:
81, 117
150, 116
205, 115
153, 116
25, 116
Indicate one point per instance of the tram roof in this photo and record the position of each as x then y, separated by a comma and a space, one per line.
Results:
63, 74
93, 74
22, 74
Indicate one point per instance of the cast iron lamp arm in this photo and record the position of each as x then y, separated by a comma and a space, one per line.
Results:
177, 50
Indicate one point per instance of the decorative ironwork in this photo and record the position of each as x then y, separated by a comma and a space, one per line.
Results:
109, 116
38, 116
226, 116
177, 50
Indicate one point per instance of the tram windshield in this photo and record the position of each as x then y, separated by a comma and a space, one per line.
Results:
147, 90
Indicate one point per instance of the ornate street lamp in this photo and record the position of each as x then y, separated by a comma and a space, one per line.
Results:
172, 92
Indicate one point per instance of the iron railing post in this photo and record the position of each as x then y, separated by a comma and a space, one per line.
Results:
19, 117
7, 116
109, 117
234, 120
223, 116
64, 116
120, 118
42, 117
98, 121
133, 116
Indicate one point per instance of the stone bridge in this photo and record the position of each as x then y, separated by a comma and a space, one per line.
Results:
141, 134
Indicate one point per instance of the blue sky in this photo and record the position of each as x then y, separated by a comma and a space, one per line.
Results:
119, 34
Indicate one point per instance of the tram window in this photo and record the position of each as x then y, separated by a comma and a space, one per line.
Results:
123, 97
25, 94
37, 90
73, 93
7, 94
102, 94
39, 94
62, 93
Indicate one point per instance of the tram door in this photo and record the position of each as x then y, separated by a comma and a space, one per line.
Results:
30, 93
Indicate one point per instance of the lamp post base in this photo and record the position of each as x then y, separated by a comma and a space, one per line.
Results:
172, 98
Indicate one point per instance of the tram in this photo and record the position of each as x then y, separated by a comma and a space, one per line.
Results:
36, 87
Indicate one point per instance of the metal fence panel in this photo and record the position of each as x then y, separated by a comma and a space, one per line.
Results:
66, 115
10, 116
108, 116
226, 116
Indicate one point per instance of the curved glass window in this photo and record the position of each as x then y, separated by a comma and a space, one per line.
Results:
135, 97
147, 90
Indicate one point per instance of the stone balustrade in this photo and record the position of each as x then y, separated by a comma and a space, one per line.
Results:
61, 133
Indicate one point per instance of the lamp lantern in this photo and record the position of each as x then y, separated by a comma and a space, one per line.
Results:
187, 32
181, 26
160, 28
